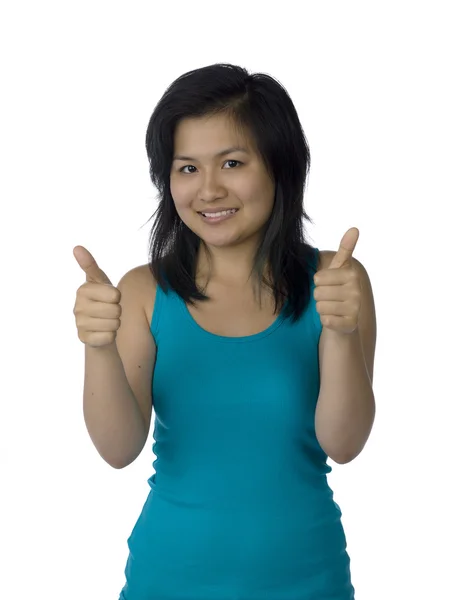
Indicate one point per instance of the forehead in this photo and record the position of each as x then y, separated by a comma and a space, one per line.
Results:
208, 134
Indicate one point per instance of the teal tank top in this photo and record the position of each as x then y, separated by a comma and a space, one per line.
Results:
239, 506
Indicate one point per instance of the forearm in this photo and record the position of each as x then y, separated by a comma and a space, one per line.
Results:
111, 412
346, 406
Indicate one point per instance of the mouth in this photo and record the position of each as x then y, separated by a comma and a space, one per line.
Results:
217, 217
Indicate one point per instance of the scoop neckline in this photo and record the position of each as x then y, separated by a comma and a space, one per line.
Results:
231, 339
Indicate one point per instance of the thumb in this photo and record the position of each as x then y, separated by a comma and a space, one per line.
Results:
87, 262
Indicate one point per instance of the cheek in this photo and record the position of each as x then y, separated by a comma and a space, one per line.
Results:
260, 201
181, 195
258, 190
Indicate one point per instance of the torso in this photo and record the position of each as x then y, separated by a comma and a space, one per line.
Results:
230, 312
233, 313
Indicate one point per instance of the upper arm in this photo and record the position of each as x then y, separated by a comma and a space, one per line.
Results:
134, 340
367, 318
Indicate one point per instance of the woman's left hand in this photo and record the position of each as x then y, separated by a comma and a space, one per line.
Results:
338, 289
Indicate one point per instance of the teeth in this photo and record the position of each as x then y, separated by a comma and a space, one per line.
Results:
219, 214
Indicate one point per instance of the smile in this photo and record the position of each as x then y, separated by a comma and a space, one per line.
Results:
210, 217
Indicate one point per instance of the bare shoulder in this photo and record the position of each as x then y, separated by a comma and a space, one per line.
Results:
146, 288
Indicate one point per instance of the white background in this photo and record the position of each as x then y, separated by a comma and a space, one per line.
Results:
79, 81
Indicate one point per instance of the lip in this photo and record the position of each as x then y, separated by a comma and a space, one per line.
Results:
218, 209
220, 219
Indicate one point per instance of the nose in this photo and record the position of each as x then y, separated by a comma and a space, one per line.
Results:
210, 187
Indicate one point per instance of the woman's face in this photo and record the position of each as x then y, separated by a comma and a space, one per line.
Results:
203, 180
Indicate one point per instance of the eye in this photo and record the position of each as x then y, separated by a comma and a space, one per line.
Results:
234, 161
181, 170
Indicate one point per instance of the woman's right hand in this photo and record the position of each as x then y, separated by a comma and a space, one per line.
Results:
97, 307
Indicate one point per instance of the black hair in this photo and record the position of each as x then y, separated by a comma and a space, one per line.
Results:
260, 105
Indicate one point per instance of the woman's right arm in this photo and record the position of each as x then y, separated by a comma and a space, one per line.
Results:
119, 359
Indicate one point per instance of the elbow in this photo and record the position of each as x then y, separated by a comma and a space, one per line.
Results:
347, 455
343, 459
342, 456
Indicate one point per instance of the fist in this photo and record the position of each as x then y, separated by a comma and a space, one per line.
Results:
97, 307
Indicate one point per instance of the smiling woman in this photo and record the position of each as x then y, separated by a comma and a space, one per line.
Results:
239, 505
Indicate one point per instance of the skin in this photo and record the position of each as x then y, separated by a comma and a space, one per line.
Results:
207, 182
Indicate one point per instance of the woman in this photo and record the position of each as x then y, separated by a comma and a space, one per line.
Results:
256, 372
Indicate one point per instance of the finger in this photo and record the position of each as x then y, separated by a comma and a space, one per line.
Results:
99, 324
346, 249
331, 292
333, 276
332, 308
87, 262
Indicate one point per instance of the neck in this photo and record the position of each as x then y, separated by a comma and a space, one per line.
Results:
228, 266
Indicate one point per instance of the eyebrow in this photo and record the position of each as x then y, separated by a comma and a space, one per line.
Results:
222, 153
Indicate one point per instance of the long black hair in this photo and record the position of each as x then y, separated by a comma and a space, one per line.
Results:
260, 105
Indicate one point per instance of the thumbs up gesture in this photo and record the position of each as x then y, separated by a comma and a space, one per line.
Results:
97, 308
338, 288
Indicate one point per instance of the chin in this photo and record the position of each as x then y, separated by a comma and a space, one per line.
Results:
218, 241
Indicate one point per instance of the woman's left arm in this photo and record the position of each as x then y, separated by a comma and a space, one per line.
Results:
346, 405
